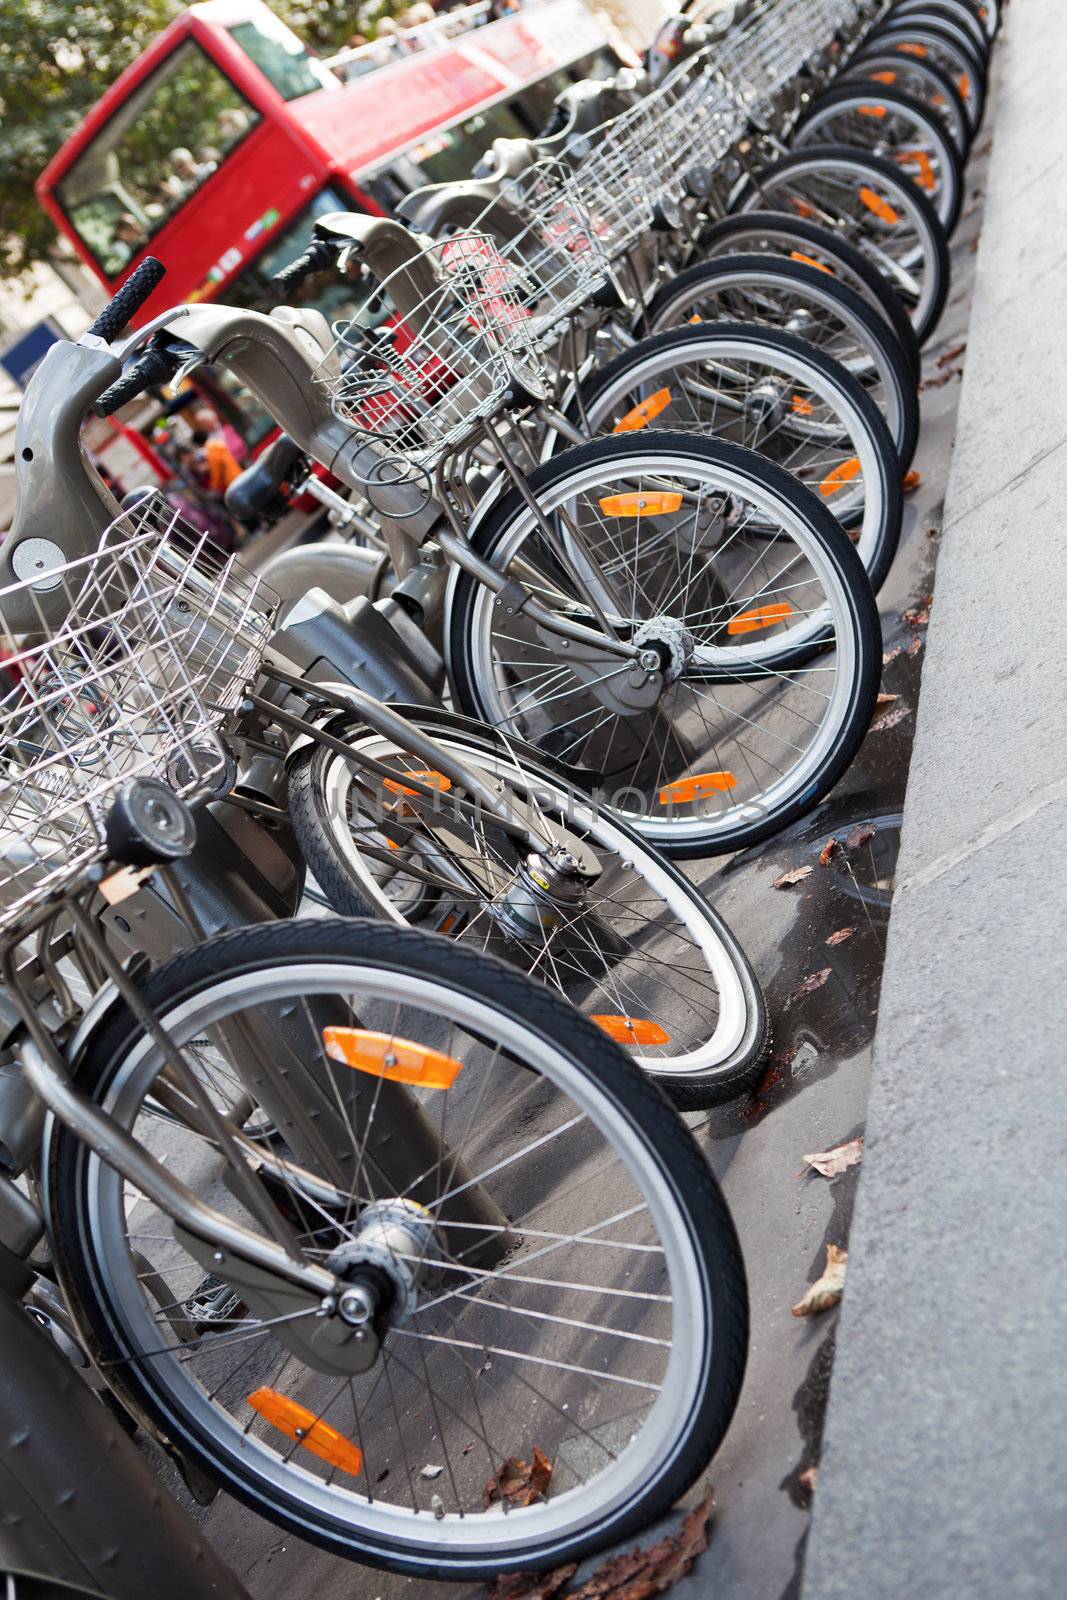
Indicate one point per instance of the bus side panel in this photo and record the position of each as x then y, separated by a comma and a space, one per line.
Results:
219, 229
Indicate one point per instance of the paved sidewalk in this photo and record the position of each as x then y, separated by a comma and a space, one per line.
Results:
944, 1467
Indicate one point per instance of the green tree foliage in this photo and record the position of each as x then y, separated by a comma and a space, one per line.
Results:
57, 57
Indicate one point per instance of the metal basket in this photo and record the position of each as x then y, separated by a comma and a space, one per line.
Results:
461, 333
161, 634
555, 249
642, 158
763, 54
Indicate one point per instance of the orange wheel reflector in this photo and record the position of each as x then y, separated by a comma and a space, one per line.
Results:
965, 86
938, 101
383, 1055
695, 788
632, 1030
695, 319
810, 261
913, 50
761, 617
426, 775
880, 207
801, 207
839, 477
802, 407
925, 176
639, 505
643, 414
884, 77
872, 111
309, 1432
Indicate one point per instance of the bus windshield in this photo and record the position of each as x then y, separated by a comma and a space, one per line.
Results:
169, 137
282, 58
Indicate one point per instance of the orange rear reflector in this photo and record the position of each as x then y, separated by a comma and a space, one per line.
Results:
880, 207
809, 261
426, 775
839, 477
309, 1432
695, 788
872, 111
643, 414
632, 1030
383, 1055
884, 77
802, 407
696, 319
925, 176
913, 50
801, 207
761, 617
965, 86
639, 505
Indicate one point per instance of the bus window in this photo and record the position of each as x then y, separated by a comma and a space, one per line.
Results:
326, 291
600, 65
451, 155
282, 57
169, 137
538, 100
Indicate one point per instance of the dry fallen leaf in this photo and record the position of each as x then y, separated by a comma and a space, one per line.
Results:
918, 616
518, 1482
828, 1163
827, 853
808, 1479
914, 647
840, 936
796, 875
532, 1585
827, 1291
862, 831
813, 981
939, 382
648, 1572
891, 655
912, 481
885, 699
890, 719
951, 355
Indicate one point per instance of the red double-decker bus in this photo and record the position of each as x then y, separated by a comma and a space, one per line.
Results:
219, 146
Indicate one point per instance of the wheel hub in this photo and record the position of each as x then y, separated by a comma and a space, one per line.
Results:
547, 890
385, 1263
672, 642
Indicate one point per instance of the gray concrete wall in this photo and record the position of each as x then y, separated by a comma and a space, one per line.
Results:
944, 1467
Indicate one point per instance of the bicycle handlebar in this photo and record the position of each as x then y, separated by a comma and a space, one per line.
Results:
318, 255
143, 281
153, 367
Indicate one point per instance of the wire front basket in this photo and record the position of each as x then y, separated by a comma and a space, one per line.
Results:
459, 334
142, 649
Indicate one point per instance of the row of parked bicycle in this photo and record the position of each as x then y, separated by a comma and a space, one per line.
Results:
353, 1215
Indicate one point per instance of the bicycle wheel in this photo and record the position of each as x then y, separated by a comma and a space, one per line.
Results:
930, 42
597, 914
875, 207
924, 81
811, 304
957, 15
806, 243
765, 390
897, 127
746, 723
605, 1344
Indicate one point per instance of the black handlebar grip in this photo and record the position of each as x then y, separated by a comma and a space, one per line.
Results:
153, 367
142, 282
318, 255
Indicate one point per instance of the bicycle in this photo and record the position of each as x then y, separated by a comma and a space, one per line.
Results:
401, 1077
